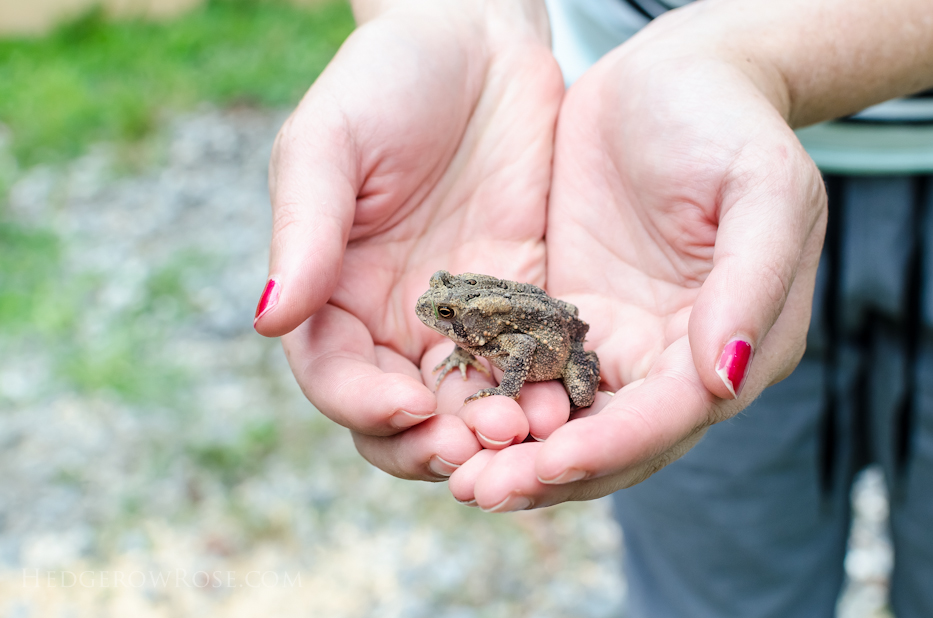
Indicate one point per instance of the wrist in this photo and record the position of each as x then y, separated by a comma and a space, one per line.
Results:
501, 20
812, 61
699, 38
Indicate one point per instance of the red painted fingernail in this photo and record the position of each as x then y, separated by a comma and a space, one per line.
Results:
268, 300
734, 364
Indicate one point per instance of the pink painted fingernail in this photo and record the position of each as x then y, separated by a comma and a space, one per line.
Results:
268, 300
567, 476
734, 364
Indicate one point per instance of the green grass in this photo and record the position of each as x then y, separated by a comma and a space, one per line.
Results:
94, 79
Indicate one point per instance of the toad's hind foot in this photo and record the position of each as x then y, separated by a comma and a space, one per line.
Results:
487, 392
581, 377
459, 358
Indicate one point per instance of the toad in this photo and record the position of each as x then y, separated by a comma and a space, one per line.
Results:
517, 326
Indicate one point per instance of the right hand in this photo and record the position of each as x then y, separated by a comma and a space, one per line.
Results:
425, 144
686, 223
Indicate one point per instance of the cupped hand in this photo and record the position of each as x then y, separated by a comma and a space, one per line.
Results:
686, 222
425, 145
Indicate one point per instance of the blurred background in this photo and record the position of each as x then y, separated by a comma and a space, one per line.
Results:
156, 457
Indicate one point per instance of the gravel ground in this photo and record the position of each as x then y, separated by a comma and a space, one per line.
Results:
158, 459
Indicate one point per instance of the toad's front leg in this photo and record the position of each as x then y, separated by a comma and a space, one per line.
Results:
458, 359
518, 351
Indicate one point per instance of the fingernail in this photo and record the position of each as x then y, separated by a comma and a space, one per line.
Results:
734, 364
511, 504
567, 476
537, 438
404, 419
467, 502
268, 300
493, 444
441, 466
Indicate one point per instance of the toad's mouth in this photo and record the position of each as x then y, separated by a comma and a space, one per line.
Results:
448, 331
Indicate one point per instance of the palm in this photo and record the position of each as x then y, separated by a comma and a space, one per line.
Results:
632, 223
455, 178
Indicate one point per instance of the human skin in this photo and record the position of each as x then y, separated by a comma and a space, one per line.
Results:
683, 216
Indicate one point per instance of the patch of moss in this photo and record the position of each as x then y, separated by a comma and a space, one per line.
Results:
124, 367
234, 461
29, 262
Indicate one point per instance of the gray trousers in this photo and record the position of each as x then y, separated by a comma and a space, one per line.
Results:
753, 521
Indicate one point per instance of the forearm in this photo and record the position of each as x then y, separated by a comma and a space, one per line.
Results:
814, 60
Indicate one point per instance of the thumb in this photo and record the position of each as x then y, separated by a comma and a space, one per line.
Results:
313, 188
770, 227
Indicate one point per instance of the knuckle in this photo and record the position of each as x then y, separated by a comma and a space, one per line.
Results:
774, 286
286, 216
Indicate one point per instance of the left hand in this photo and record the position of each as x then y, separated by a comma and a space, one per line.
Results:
425, 144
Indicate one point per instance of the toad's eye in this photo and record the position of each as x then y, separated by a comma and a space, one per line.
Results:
470, 282
445, 312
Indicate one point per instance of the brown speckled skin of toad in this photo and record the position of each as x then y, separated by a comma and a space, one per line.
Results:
517, 326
